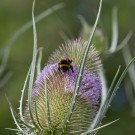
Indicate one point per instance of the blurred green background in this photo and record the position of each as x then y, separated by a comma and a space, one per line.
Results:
15, 13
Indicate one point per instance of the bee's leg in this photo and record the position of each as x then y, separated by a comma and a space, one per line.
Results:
72, 68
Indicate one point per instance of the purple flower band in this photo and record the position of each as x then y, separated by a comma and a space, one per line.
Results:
90, 88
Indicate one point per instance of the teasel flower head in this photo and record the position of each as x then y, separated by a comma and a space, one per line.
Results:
53, 90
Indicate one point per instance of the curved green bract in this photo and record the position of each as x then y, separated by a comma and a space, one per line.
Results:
79, 75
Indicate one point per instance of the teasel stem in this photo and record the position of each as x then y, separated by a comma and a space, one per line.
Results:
80, 72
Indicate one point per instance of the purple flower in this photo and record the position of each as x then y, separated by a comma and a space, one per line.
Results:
60, 88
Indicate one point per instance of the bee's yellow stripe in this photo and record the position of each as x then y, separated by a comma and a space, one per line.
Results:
64, 65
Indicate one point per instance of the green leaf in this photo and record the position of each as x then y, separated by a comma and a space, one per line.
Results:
32, 70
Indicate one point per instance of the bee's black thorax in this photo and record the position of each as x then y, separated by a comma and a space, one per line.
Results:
65, 65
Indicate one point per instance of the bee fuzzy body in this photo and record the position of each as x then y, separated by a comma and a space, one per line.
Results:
65, 65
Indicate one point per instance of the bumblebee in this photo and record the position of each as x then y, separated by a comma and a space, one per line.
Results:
65, 64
